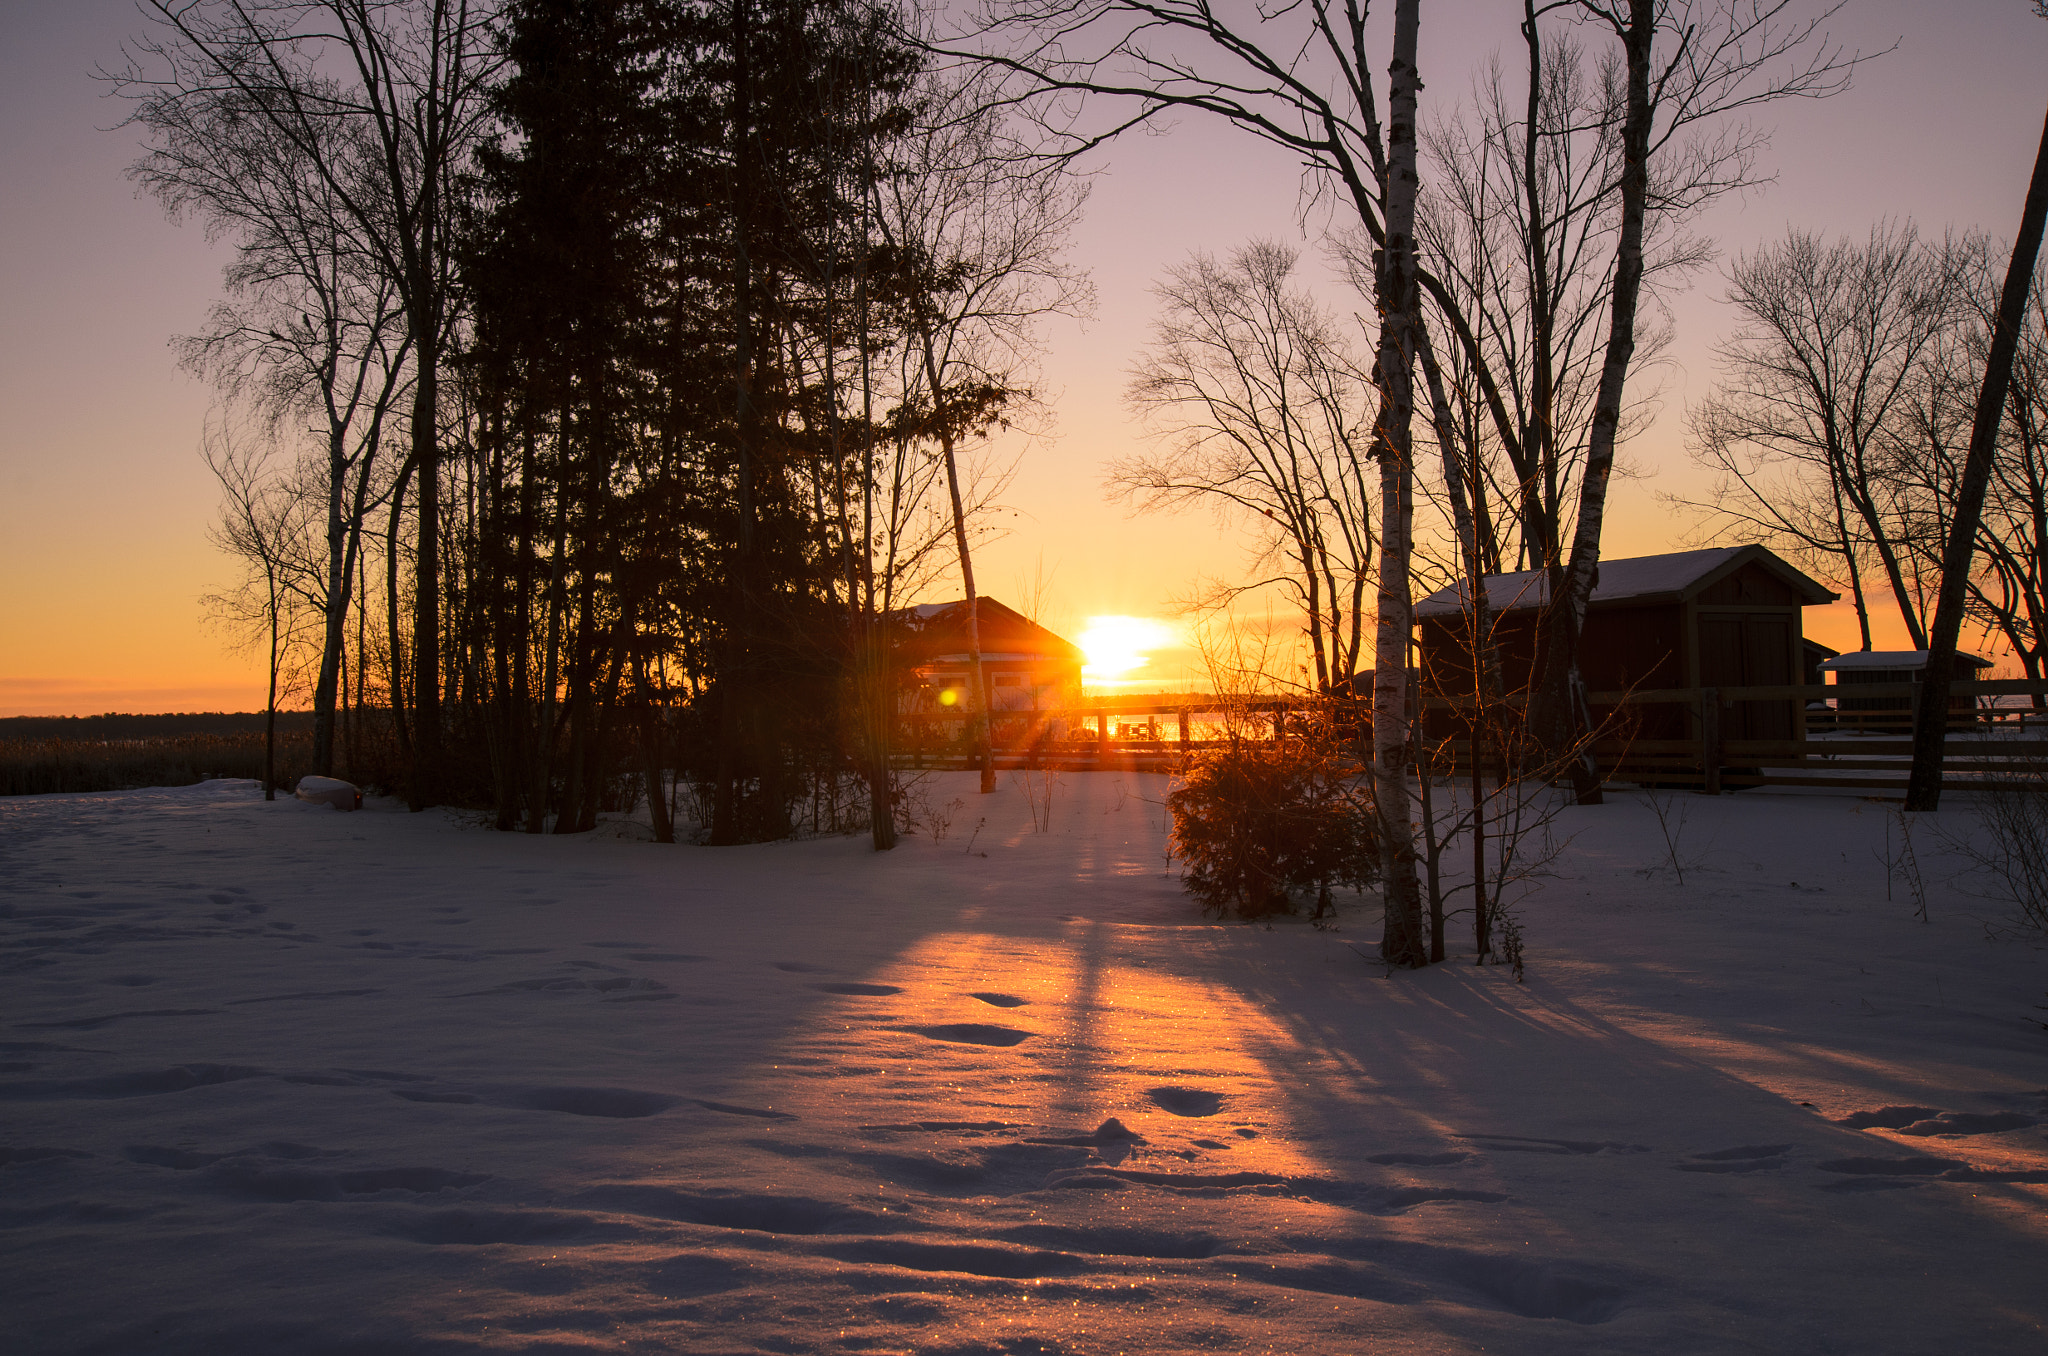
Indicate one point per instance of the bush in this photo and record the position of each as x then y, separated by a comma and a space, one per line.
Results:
1258, 827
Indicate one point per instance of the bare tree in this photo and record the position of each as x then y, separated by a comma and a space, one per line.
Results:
1685, 62
1930, 719
1805, 428
2010, 596
407, 79
310, 328
986, 224
263, 525
1259, 407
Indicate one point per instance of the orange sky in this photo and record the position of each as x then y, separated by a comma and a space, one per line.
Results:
104, 503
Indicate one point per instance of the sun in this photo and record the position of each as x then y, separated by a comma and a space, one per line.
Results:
1115, 646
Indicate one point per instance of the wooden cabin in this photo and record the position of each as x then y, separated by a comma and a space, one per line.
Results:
1892, 713
1724, 617
1026, 667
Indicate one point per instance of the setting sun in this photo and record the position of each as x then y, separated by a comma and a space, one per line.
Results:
1116, 646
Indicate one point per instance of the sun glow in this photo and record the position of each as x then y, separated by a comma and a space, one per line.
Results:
1116, 646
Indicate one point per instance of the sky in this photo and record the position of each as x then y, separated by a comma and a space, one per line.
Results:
105, 504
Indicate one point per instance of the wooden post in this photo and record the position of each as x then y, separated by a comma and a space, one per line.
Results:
1183, 714
1710, 739
1101, 739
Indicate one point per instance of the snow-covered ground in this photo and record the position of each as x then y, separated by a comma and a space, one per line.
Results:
280, 1079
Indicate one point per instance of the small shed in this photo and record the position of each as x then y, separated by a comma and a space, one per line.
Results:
1723, 617
1867, 667
1026, 666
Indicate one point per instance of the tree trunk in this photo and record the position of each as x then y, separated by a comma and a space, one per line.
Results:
1930, 721
270, 703
1558, 712
978, 722
426, 626
1402, 942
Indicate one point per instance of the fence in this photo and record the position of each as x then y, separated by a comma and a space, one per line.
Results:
1860, 750
1857, 750
1148, 732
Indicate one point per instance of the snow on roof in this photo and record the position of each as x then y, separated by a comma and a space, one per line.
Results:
1893, 659
1643, 577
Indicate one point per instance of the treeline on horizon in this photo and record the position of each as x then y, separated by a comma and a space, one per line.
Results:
127, 725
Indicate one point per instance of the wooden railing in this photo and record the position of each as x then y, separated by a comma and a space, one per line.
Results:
1853, 751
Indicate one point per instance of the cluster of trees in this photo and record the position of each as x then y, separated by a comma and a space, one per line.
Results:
642, 341
1839, 430
1510, 254
643, 344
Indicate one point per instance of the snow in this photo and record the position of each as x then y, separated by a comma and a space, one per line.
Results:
1637, 578
1893, 659
277, 1079
1634, 577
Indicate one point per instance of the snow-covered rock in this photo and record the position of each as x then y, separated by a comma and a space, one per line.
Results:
330, 791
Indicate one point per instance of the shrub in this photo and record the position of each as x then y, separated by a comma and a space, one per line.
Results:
1259, 826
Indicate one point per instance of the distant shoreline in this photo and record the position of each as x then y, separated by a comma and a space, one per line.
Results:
122, 725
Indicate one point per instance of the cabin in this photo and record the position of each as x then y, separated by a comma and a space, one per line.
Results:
1728, 616
1025, 666
1867, 667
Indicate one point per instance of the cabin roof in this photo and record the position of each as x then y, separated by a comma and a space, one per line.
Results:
1671, 577
1861, 660
941, 633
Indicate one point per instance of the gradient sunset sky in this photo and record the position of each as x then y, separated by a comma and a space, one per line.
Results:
104, 503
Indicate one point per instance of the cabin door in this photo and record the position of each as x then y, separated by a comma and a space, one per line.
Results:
1749, 650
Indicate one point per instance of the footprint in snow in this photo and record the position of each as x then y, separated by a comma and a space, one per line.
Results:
1923, 1122
1185, 1101
1743, 1158
802, 968
859, 990
1001, 1000
1531, 1144
1419, 1160
972, 1033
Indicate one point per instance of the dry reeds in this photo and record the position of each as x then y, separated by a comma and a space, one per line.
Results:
30, 767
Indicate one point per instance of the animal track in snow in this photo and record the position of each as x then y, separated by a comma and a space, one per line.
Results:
1415, 1160
288, 997
972, 1033
30, 1153
1190, 1102
1530, 1144
610, 1103
481, 1228
859, 990
143, 1083
729, 1109
1915, 1166
802, 968
1001, 1000
1746, 1158
620, 986
798, 1215
94, 1023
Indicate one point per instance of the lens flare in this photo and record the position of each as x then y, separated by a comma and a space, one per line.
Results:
1116, 646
